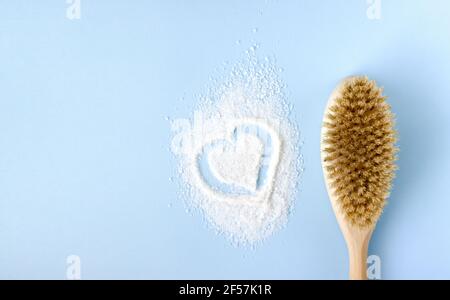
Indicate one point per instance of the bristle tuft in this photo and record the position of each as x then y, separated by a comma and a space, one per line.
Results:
360, 151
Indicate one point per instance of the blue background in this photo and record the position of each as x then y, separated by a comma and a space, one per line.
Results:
84, 160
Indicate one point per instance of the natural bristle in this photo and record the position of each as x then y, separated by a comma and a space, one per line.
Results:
359, 150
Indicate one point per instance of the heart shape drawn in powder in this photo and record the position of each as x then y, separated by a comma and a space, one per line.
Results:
238, 162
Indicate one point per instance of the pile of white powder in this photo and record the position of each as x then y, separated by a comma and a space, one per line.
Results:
242, 181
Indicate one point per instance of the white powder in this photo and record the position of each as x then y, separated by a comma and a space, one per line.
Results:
239, 158
238, 164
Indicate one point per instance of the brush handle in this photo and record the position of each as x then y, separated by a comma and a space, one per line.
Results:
357, 254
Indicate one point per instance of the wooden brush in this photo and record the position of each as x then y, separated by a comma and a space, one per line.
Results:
358, 159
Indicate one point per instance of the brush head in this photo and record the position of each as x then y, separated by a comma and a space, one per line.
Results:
358, 148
